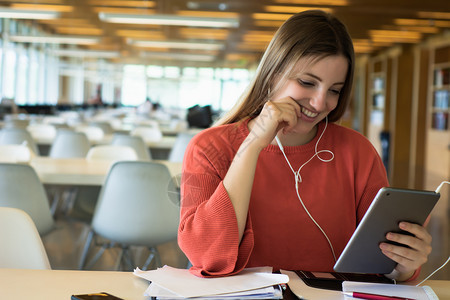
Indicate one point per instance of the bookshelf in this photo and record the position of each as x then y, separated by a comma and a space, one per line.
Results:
437, 146
440, 97
376, 102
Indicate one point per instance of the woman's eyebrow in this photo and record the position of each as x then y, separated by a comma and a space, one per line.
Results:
320, 79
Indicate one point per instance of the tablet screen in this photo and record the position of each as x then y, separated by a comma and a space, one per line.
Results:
390, 206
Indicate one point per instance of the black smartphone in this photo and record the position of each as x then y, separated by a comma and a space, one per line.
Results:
333, 280
95, 296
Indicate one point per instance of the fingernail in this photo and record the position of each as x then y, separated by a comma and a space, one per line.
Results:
403, 225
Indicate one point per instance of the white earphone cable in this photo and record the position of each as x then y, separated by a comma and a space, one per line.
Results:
298, 178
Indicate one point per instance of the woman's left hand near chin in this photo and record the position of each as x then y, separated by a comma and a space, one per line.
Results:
408, 259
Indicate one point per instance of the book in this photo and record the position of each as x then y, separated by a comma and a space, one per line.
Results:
173, 283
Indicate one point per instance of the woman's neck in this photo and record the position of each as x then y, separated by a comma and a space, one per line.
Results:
296, 139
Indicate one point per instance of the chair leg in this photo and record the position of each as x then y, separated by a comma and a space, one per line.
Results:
154, 254
87, 245
97, 255
148, 261
119, 259
127, 258
69, 201
58, 193
158, 258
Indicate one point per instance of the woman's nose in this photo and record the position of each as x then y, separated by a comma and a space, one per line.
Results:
318, 100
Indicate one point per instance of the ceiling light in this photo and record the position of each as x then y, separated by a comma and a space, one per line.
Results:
27, 14
175, 44
85, 53
169, 20
54, 39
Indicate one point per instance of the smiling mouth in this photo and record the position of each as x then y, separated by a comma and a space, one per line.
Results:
309, 113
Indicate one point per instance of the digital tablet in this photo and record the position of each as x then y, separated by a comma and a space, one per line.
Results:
390, 206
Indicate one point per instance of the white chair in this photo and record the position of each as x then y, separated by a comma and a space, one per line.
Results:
82, 202
148, 134
21, 245
18, 136
178, 125
147, 123
177, 152
69, 144
21, 188
16, 123
42, 131
56, 121
144, 217
15, 154
112, 153
94, 133
135, 142
103, 125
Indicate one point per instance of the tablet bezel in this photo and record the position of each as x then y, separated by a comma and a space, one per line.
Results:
390, 206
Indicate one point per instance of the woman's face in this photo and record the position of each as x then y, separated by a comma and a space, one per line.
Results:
315, 86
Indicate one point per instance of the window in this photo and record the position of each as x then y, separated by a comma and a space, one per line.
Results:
33, 74
9, 72
22, 78
52, 80
155, 72
134, 85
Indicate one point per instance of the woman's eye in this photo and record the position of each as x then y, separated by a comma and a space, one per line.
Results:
336, 92
305, 83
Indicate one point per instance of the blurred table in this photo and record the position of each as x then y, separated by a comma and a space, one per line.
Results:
159, 149
80, 171
61, 284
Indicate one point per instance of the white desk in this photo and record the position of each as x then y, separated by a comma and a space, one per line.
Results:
61, 284
166, 142
80, 171
298, 287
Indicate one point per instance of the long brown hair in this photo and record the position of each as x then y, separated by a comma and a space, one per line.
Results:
313, 34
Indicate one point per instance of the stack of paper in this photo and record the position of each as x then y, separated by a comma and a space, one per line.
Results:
391, 290
172, 283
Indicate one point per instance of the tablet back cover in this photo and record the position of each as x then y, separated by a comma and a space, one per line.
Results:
390, 206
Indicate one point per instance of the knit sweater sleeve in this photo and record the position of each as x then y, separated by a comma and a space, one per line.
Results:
208, 231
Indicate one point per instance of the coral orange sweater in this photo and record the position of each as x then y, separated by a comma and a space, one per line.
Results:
278, 232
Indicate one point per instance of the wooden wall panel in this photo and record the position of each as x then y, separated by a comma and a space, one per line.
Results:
400, 137
420, 119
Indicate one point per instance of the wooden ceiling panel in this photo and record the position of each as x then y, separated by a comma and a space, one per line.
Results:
373, 24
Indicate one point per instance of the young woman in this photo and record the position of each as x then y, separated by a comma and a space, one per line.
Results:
278, 183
